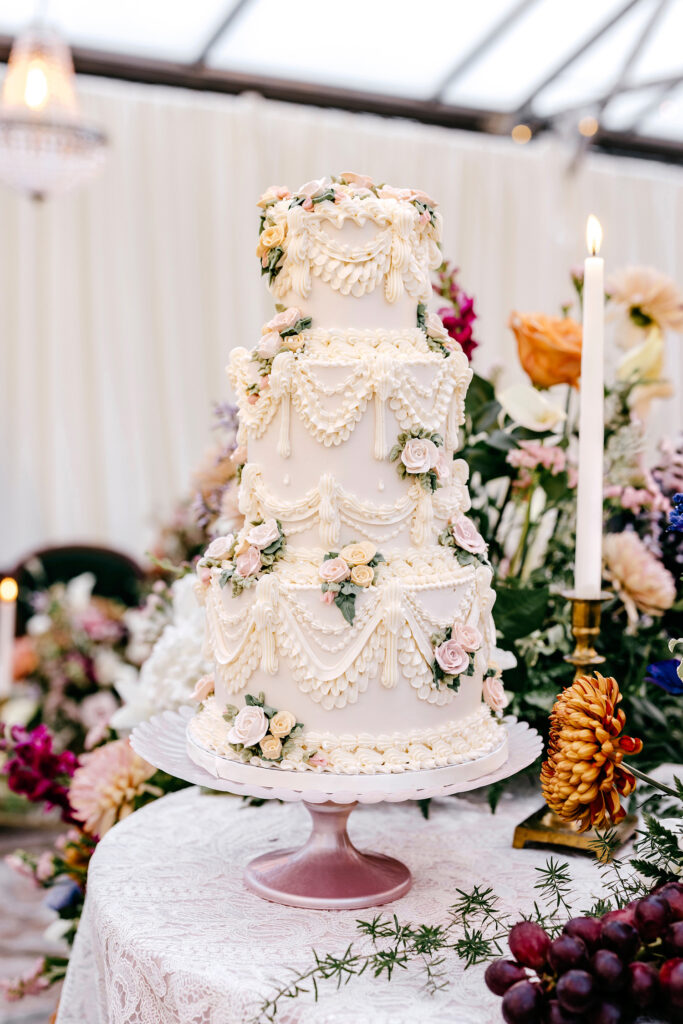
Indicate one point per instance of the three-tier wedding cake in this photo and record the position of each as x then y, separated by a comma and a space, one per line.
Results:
349, 622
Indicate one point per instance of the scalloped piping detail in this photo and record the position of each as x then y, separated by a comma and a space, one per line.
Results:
454, 742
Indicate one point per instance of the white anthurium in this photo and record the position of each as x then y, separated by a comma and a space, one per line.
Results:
529, 408
503, 659
644, 361
78, 594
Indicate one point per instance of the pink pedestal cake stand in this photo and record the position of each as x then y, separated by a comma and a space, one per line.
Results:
327, 872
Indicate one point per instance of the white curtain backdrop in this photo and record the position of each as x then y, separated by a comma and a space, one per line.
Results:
119, 304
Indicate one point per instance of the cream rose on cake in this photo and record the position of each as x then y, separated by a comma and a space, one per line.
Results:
346, 574
469, 637
282, 723
263, 535
249, 726
416, 456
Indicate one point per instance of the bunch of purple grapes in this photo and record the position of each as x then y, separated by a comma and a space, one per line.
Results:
600, 970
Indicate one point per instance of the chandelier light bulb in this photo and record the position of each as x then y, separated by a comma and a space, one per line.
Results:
36, 90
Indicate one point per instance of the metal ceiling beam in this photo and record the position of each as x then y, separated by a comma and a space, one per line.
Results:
480, 48
668, 82
524, 108
227, 21
652, 105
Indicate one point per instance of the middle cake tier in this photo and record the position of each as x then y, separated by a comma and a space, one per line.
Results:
325, 427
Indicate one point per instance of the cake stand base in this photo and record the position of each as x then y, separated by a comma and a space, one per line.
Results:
327, 872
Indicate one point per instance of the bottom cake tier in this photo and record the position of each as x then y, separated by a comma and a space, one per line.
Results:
468, 739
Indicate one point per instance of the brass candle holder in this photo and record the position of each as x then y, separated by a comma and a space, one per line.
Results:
586, 613
543, 827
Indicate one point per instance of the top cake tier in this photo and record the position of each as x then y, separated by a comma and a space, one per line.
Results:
346, 236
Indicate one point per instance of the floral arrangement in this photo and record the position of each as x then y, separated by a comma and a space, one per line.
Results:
458, 316
258, 730
283, 332
520, 445
454, 649
67, 662
244, 559
345, 573
420, 456
92, 792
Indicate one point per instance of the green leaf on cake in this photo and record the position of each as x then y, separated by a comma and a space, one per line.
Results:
346, 603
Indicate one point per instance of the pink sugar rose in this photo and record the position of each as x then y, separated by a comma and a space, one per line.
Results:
263, 535
311, 188
327, 597
334, 570
419, 455
252, 399
422, 197
269, 345
451, 657
444, 464
249, 563
494, 694
318, 761
239, 456
204, 574
468, 637
389, 192
203, 688
467, 537
285, 320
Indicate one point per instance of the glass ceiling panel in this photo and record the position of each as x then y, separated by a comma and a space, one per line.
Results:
663, 54
168, 29
598, 69
624, 112
538, 42
401, 47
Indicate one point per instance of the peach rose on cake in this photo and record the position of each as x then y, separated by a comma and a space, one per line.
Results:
419, 455
494, 694
282, 723
468, 637
435, 328
219, 547
360, 180
271, 747
263, 535
549, 348
467, 536
362, 575
269, 345
249, 563
284, 321
249, 727
272, 194
358, 554
270, 238
452, 658
334, 570
203, 688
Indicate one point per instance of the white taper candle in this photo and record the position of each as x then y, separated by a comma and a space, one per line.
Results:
8, 612
588, 556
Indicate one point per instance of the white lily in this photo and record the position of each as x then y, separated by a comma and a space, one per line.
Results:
529, 408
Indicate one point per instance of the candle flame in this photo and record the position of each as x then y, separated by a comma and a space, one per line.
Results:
593, 235
8, 589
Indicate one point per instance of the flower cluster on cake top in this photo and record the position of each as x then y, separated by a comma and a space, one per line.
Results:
243, 559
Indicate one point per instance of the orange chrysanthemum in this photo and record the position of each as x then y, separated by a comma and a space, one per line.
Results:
583, 776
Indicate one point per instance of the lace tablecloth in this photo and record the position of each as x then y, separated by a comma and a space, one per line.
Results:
169, 934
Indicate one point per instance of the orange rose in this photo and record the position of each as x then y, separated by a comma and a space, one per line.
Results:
549, 348
24, 657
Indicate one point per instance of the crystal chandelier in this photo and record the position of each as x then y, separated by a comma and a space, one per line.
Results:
45, 147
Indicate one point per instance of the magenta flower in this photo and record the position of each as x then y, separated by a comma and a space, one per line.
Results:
459, 316
35, 770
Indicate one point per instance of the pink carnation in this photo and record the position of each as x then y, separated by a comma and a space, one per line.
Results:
532, 454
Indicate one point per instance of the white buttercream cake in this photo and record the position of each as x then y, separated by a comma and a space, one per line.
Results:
349, 623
